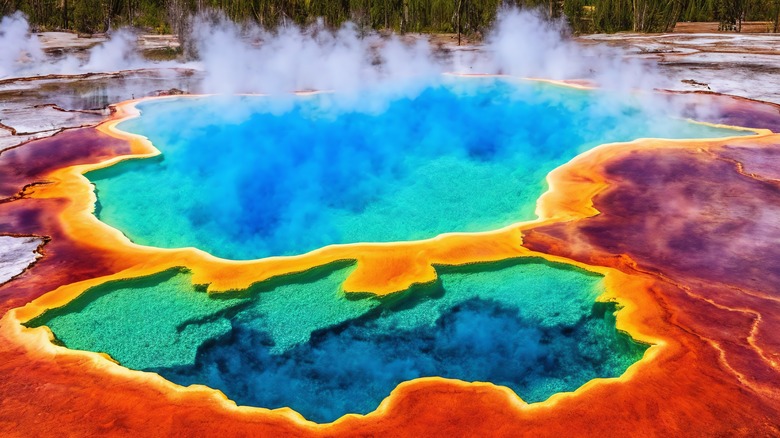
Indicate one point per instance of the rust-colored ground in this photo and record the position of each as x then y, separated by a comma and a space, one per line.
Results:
686, 231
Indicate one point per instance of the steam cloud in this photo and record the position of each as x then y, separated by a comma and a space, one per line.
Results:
246, 58
524, 44
18, 50
21, 54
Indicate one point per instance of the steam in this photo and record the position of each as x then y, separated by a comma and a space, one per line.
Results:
295, 59
119, 53
249, 59
17, 49
21, 54
523, 43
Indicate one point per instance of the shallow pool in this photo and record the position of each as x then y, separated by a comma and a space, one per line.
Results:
301, 342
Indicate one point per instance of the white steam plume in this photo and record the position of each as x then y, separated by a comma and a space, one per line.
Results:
250, 59
21, 54
118, 53
523, 43
18, 51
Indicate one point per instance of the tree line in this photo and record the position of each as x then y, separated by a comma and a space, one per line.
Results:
470, 17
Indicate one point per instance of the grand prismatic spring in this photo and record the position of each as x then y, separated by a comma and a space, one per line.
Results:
485, 255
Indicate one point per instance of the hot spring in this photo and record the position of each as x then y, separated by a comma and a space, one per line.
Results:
256, 176
301, 342
247, 177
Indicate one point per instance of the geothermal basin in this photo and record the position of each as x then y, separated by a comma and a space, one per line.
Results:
259, 177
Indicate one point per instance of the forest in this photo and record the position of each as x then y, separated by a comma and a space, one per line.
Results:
468, 17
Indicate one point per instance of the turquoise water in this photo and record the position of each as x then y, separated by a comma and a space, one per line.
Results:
253, 176
300, 342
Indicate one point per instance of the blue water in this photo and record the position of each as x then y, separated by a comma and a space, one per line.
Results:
250, 177
530, 325
352, 368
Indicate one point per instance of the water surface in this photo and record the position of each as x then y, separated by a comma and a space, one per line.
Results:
255, 176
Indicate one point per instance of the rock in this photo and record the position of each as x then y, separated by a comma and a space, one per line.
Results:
17, 254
